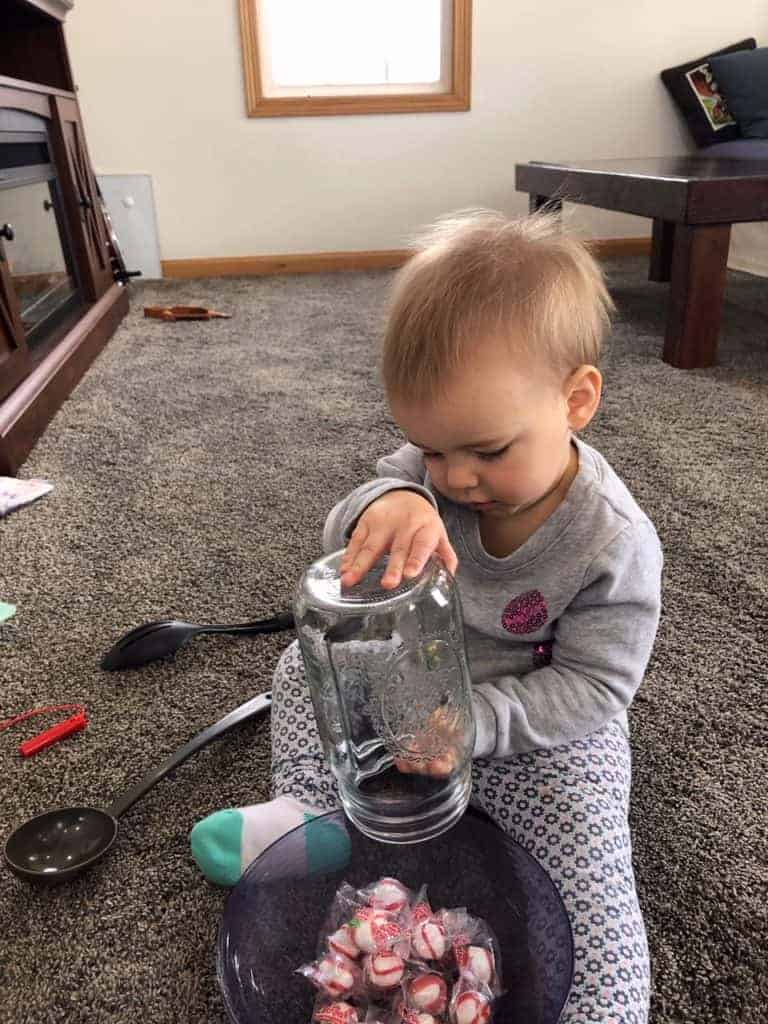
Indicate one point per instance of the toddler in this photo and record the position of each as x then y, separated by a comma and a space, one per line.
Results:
490, 364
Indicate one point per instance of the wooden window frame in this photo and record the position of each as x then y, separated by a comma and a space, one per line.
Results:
458, 98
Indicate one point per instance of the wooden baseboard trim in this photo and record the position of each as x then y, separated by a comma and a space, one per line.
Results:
28, 410
326, 262
293, 263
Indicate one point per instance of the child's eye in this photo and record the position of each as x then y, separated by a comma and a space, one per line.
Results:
494, 455
480, 455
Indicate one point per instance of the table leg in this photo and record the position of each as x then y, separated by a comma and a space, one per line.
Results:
549, 205
662, 247
696, 300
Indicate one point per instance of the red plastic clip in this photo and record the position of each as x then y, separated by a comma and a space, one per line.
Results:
54, 734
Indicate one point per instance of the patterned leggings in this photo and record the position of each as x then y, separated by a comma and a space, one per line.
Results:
566, 805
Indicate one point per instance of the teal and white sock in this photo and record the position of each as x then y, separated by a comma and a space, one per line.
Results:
225, 843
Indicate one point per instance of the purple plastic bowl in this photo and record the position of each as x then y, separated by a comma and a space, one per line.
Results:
272, 918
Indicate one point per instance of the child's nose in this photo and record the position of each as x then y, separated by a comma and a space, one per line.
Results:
460, 475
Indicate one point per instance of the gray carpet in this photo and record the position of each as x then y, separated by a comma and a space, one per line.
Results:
193, 469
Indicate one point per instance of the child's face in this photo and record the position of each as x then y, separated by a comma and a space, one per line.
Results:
500, 438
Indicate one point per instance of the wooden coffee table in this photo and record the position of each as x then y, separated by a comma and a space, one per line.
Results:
693, 201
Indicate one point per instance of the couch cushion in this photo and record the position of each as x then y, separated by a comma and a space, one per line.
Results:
738, 149
694, 90
743, 79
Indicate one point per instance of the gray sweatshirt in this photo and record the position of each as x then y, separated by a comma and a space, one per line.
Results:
559, 633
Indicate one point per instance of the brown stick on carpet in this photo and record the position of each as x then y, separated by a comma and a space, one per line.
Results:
193, 468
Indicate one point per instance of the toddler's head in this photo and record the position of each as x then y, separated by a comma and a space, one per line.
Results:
491, 353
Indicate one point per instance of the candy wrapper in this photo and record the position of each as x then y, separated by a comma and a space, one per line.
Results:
388, 894
416, 1017
367, 921
328, 1011
376, 931
402, 1015
386, 956
383, 972
425, 991
475, 948
335, 1011
471, 1002
335, 976
428, 938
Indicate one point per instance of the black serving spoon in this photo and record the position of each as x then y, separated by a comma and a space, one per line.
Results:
160, 639
58, 845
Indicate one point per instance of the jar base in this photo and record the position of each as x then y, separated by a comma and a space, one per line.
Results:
419, 827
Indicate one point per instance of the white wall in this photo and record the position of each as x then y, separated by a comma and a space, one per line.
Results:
162, 92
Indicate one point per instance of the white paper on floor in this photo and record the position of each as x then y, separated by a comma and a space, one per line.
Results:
16, 493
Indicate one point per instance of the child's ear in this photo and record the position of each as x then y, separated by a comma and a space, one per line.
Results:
583, 389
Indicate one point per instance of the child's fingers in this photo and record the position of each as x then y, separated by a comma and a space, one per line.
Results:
448, 555
409, 555
423, 543
393, 572
354, 547
439, 767
365, 554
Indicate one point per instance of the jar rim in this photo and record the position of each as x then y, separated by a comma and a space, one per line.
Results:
320, 586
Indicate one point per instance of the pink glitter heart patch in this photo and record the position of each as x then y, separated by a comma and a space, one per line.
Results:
526, 613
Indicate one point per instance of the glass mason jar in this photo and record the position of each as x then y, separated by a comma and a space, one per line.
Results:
392, 697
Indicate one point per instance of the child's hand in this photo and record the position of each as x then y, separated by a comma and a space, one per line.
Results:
444, 731
405, 525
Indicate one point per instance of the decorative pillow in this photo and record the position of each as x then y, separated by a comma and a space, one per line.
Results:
695, 91
743, 79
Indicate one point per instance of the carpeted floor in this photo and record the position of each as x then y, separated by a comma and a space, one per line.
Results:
193, 469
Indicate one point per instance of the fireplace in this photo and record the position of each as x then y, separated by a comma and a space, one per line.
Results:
33, 231
63, 283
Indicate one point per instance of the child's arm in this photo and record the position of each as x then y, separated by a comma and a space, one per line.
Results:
403, 469
601, 649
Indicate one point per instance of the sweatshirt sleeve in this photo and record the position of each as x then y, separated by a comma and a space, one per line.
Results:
404, 469
602, 644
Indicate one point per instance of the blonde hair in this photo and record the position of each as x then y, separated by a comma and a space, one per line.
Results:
477, 274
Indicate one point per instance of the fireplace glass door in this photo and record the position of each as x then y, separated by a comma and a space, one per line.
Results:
33, 237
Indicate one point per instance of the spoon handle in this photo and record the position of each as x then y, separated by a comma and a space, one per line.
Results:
274, 625
251, 708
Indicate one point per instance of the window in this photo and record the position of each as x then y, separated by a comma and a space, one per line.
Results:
305, 57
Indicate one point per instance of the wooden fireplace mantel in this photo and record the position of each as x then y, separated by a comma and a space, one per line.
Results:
36, 80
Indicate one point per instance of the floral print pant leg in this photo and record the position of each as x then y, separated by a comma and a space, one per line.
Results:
299, 767
566, 805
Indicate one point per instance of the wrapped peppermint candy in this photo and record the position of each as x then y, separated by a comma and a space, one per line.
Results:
383, 971
334, 975
425, 991
416, 1017
386, 957
470, 1003
354, 926
388, 894
375, 931
474, 946
428, 937
476, 951
460, 926
476, 962
342, 942
334, 1012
